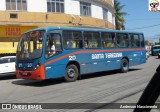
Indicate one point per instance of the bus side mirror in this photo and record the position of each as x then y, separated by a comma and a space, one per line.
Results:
40, 39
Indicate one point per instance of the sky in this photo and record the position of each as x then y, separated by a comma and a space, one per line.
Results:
139, 17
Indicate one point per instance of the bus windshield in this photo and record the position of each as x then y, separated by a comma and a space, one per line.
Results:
30, 45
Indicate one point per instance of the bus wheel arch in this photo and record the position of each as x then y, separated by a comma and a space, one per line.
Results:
124, 67
72, 71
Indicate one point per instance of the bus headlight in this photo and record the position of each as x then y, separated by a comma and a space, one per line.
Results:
37, 66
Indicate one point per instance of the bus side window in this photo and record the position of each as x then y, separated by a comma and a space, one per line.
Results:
108, 40
87, 38
72, 39
67, 37
70, 44
135, 41
141, 40
58, 45
122, 40
96, 40
53, 45
77, 36
86, 44
80, 44
50, 47
92, 39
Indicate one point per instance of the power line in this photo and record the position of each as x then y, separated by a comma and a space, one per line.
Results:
143, 19
145, 27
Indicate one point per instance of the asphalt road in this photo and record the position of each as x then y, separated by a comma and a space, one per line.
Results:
104, 87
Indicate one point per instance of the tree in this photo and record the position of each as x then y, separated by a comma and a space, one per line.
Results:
119, 15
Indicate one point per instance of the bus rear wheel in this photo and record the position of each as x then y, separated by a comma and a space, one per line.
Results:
71, 73
124, 65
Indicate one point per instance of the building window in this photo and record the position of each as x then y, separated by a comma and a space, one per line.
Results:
14, 16
20, 5
113, 19
85, 9
105, 14
55, 6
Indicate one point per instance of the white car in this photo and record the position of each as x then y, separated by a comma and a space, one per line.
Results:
7, 65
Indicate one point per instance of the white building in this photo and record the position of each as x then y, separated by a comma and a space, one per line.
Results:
18, 16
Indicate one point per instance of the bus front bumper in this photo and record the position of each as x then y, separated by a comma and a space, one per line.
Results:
37, 74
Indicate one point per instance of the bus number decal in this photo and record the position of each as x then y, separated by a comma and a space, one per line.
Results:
29, 65
20, 65
72, 57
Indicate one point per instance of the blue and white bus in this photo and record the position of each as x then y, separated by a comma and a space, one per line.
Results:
54, 52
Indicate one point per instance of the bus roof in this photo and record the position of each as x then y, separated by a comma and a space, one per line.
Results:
81, 28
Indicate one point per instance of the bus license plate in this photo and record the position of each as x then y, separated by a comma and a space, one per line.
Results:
25, 73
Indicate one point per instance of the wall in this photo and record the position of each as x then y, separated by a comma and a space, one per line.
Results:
2, 4
110, 18
37, 16
37, 5
97, 10
71, 7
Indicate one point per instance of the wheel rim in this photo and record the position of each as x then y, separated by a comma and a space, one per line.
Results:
71, 73
125, 66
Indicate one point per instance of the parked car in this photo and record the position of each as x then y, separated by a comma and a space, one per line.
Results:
7, 65
155, 50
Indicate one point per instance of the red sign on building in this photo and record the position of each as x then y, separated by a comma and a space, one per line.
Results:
13, 31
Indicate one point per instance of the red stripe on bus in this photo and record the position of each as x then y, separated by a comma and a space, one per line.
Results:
91, 51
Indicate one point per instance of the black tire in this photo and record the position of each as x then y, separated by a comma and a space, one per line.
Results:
124, 65
71, 73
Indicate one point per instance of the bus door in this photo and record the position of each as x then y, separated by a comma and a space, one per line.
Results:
53, 48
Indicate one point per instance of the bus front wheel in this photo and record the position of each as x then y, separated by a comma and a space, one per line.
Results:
124, 65
71, 73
